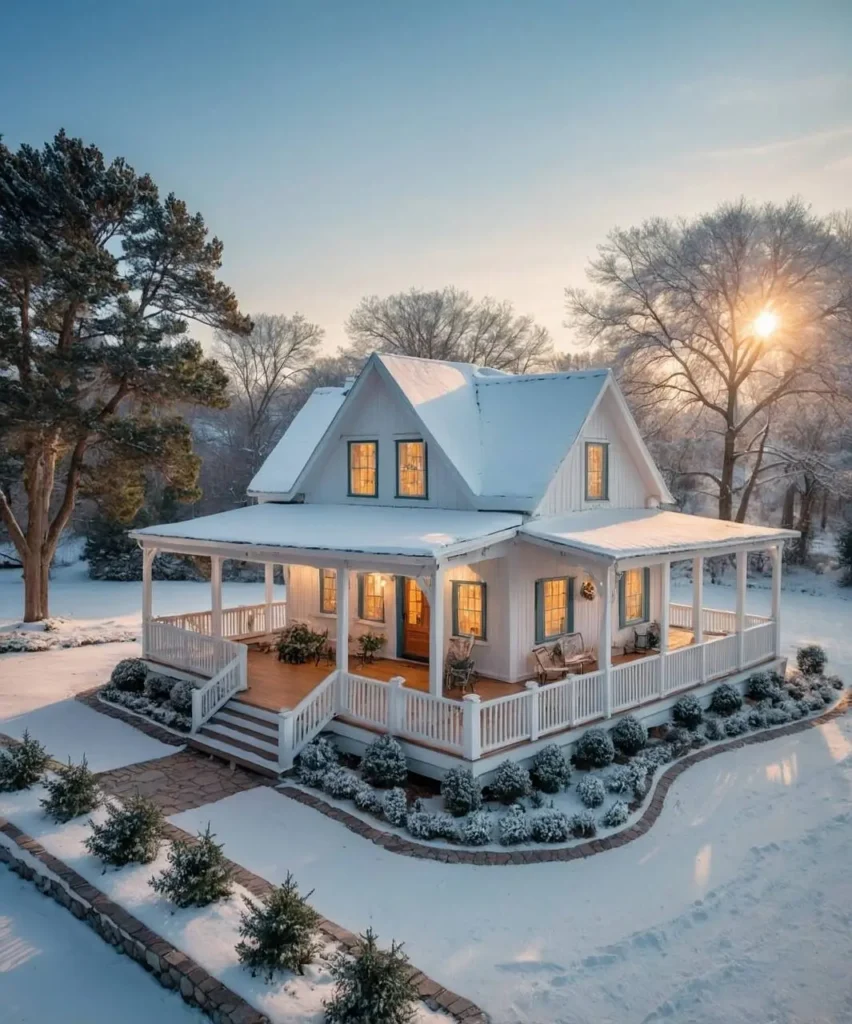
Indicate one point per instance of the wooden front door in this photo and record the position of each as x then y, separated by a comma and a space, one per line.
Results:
415, 621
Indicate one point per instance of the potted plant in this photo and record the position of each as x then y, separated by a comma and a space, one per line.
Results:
369, 644
298, 643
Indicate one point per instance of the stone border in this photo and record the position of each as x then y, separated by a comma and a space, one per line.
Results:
172, 968
91, 699
394, 843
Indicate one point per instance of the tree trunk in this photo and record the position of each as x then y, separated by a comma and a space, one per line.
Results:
35, 587
805, 523
788, 510
726, 490
823, 520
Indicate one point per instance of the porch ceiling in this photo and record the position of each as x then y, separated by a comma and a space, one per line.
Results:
618, 534
430, 533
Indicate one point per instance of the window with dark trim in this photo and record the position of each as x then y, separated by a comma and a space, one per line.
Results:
597, 471
634, 590
412, 480
469, 609
364, 469
328, 591
554, 608
371, 597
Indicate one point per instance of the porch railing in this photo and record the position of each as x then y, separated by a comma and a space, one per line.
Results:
241, 620
714, 620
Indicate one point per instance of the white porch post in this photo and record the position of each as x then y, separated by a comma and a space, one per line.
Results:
665, 612
268, 592
742, 571
698, 613
436, 633
343, 618
776, 553
216, 595
147, 596
605, 637
471, 727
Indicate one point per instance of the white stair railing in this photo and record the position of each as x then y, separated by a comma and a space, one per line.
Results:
207, 699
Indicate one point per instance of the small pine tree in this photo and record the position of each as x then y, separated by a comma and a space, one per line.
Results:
280, 932
131, 834
384, 764
23, 765
550, 770
198, 873
73, 792
373, 986
461, 792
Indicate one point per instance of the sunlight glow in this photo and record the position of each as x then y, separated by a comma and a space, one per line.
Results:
783, 772
766, 324
703, 860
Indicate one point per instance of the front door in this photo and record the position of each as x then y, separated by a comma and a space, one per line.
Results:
415, 621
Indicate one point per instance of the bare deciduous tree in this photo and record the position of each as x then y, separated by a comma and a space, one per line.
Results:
449, 324
726, 317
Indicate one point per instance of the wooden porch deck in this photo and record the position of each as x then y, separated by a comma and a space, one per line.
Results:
274, 684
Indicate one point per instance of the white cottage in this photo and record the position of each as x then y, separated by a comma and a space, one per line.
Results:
430, 503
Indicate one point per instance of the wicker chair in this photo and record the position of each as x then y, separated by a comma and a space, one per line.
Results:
568, 654
459, 666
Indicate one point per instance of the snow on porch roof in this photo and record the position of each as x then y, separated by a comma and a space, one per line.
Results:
631, 533
348, 529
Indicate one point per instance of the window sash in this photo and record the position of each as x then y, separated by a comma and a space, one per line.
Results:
597, 471
469, 609
411, 471
364, 469
634, 597
328, 591
371, 597
554, 607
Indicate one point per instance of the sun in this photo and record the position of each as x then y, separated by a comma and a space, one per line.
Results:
766, 323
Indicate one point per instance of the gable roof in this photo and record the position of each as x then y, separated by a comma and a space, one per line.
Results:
487, 423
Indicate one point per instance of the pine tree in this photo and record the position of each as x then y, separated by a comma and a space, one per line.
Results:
99, 278
198, 872
23, 765
73, 792
280, 933
373, 986
131, 834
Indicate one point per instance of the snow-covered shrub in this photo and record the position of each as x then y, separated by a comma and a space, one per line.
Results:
778, 716
551, 826
475, 829
368, 799
131, 833
198, 872
737, 724
624, 778
157, 687
514, 826
793, 710
461, 792
384, 764
583, 825
795, 685
550, 770
725, 700
760, 687
23, 765
315, 760
679, 739
340, 783
511, 782
280, 932
73, 792
591, 791
615, 815
814, 701
395, 806
425, 825
298, 643
758, 717
811, 660
129, 675
537, 799
595, 749
629, 735
180, 696
827, 693
687, 711
373, 986
655, 756
835, 682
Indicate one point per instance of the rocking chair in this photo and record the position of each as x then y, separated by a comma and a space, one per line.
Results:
459, 666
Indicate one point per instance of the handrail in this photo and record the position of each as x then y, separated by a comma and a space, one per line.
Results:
207, 699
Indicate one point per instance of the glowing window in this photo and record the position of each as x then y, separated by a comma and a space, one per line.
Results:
554, 605
371, 597
363, 468
411, 469
328, 591
469, 609
634, 596
597, 471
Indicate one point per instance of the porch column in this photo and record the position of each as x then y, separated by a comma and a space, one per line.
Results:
665, 612
342, 606
268, 592
216, 595
776, 554
436, 633
742, 572
698, 599
605, 637
148, 555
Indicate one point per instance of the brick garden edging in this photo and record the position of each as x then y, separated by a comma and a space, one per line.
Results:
91, 699
394, 843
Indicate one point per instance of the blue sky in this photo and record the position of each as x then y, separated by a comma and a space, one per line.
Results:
343, 149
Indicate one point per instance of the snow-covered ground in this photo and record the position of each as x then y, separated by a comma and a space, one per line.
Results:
55, 968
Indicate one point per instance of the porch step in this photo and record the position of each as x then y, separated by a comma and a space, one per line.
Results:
244, 758
238, 738
251, 711
243, 723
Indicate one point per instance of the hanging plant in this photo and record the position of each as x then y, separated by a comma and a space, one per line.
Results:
588, 590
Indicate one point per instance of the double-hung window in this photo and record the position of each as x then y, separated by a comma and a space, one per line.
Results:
597, 471
364, 469
469, 609
371, 597
411, 474
634, 596
328, 591
554, 608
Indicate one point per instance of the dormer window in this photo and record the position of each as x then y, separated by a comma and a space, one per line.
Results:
597, 471
411, 478
364, 469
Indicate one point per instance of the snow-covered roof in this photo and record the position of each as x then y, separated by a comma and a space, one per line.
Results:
347, 529
631, 533
285, 462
